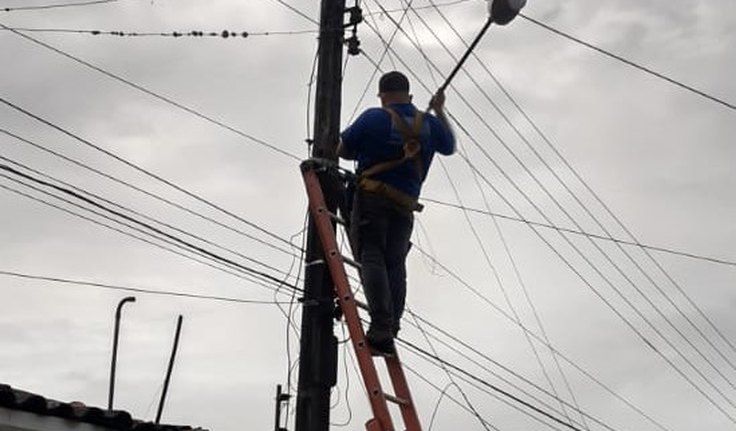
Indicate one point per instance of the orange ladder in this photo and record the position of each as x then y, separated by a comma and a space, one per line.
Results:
323, 220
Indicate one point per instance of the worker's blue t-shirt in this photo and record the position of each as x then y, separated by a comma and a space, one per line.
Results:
373, 138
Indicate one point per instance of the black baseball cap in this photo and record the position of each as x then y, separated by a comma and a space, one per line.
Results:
393, 82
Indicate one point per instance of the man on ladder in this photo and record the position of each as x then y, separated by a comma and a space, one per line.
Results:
394, 146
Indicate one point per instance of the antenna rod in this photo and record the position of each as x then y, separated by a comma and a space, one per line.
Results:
168, 371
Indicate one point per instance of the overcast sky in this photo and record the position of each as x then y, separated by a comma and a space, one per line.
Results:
661, 158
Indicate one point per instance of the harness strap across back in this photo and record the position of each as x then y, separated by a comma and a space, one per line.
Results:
412, 150
411, 135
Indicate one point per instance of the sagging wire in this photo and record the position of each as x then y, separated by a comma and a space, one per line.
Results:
437, 405
346, 391
56, 5
497, 277
447, 372
140, 190
113, 228
595, 268
289, 314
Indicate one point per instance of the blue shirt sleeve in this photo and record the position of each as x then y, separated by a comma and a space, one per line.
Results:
442, 137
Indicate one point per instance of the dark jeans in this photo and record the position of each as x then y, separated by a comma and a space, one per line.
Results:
380, 232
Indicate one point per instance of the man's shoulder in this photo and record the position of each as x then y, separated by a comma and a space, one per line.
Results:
374, 113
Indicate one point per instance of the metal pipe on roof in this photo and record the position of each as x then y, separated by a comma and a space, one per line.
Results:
116, 335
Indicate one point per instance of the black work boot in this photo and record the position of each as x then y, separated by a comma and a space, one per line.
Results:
380, 341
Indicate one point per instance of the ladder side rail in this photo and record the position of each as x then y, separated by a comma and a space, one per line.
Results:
346, 300
401, 390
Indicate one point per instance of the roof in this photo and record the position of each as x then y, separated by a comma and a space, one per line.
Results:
16, 399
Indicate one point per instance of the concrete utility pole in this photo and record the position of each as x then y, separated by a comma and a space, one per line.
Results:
318, 360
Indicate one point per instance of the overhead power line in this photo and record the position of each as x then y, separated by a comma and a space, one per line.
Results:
582, 255
608, 210
123, 232
485, 252
297, 11
57, 5
606, 231
583, 233
490, 386
141, 215
148, 227
152, 93
143, 191
585, 279
631, 63
107, 286
143, 171
450, 3
224, 34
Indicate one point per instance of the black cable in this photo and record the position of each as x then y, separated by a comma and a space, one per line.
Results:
223, 34
297, 11
142, 170
56, 5
585, 208
580, 253
600, 201
449, 376
607, 280
433, 385
131, 235
490, 386
135, 289
610, 212
507, 299
146, 217
474, 231
480, 243
437, 405
606, 255
485, 357
446, 4
526, 380
571, 218
140, 190
147, 226
154, 94
289, 321
630, 63
582, 233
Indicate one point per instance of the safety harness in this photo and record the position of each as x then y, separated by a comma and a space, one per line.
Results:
412, 151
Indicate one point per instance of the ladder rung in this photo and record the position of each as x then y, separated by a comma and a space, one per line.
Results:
396, 400
351, 262
337, 218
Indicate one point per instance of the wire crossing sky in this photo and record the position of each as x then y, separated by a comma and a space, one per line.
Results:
586, 198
